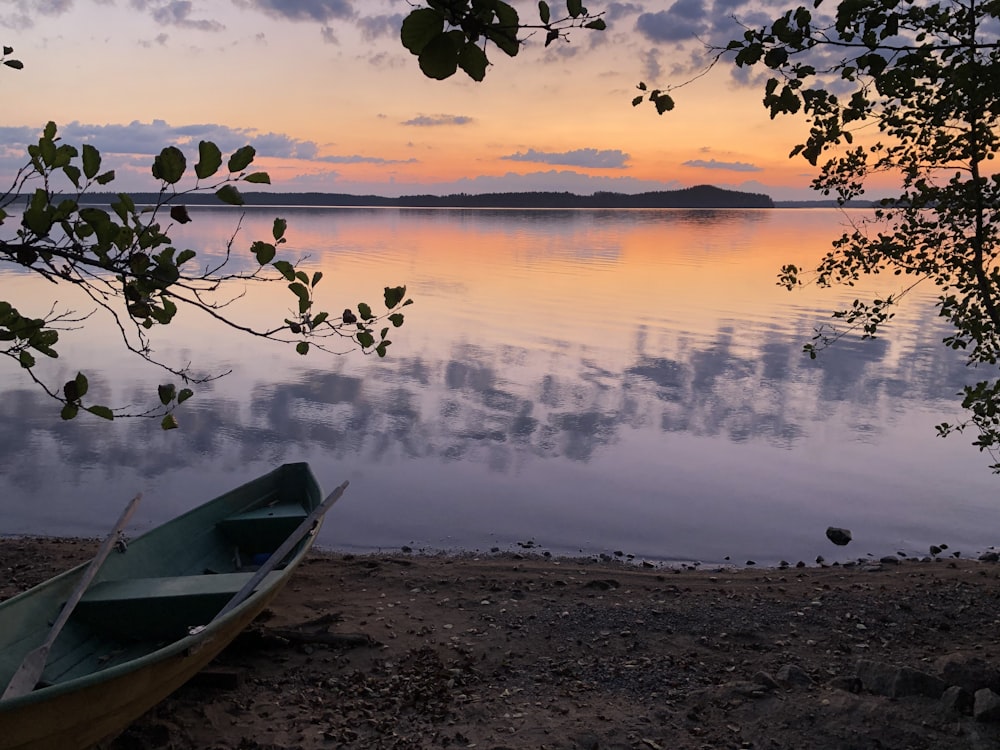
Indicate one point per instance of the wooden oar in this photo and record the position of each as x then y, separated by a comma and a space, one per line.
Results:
279, 554
30, 671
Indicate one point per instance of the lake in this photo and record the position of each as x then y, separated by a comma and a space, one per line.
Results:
571, 381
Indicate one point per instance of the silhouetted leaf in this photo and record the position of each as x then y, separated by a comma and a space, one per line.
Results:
166, 392
209, 160
229, 194
241, 158
420, 27
169, 166
101, 411
179, 214
91, 161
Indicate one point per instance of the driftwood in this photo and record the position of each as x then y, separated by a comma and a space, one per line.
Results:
315, 631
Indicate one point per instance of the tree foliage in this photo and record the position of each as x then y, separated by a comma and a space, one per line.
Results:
448, 35
908, 90
123, 259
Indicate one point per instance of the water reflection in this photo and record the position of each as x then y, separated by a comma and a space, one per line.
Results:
592, 380
461, 407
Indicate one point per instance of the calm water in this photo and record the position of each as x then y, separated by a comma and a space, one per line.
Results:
588, 381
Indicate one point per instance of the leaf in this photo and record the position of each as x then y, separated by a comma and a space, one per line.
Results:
473, 61
241, 158
69, 411
278, 230
8, 50
184, 395
396, 319
169, 422
574, 8
167, 392
169, 166
664, 103
365, 311
302, 347
258, 177
420, 27
285, 268
209, 160
597, 25
380, 349
439, 58
316, 278
638, 100
104, 179
25, 358
303, 294
184, 256
394, 295
91, 161
229, 194
180, 214
320, 319
101, 411
82, 386
365, 339
543, 11
15, 64
263, 251
73, 173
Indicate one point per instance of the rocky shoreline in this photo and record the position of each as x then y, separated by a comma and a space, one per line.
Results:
502, 651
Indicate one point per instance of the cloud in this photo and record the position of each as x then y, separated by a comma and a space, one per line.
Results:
732, 166
148, 138
357, 159
322, 11
683, 21
581, 157
21, 14
176, 13
429, 121
384, 26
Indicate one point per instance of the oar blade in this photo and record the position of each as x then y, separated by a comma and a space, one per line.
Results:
28, 674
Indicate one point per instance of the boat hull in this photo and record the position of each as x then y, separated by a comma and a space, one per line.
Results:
79, 711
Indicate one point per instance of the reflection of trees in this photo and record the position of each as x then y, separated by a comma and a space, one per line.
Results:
467, 408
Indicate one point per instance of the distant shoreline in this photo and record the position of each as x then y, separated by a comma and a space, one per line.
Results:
698, 197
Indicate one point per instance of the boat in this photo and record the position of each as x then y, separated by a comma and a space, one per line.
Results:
152, 613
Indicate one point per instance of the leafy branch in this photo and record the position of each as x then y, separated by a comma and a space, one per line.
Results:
452, 34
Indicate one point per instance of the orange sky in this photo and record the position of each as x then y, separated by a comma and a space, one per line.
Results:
333, 102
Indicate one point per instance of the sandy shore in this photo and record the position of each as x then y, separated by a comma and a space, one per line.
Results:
405, 651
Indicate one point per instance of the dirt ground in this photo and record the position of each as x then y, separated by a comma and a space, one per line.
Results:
509, 651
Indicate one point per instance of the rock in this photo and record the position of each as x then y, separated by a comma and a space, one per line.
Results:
970, 672
792, 675
935, 550
875, 676
848, 683
765, 679
838, 536
909, 681
986, 705
957, 700
990, 557
889, 560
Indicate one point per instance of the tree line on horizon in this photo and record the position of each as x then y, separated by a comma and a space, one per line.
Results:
701, 196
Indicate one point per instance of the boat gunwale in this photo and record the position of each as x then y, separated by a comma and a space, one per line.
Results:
192, 642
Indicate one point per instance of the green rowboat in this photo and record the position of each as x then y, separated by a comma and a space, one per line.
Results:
155, 614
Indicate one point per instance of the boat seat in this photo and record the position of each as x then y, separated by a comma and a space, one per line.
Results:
164, 607
262, 530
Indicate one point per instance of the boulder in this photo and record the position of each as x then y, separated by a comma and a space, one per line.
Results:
838, 536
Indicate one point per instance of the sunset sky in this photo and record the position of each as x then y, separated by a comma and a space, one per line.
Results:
332, 102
